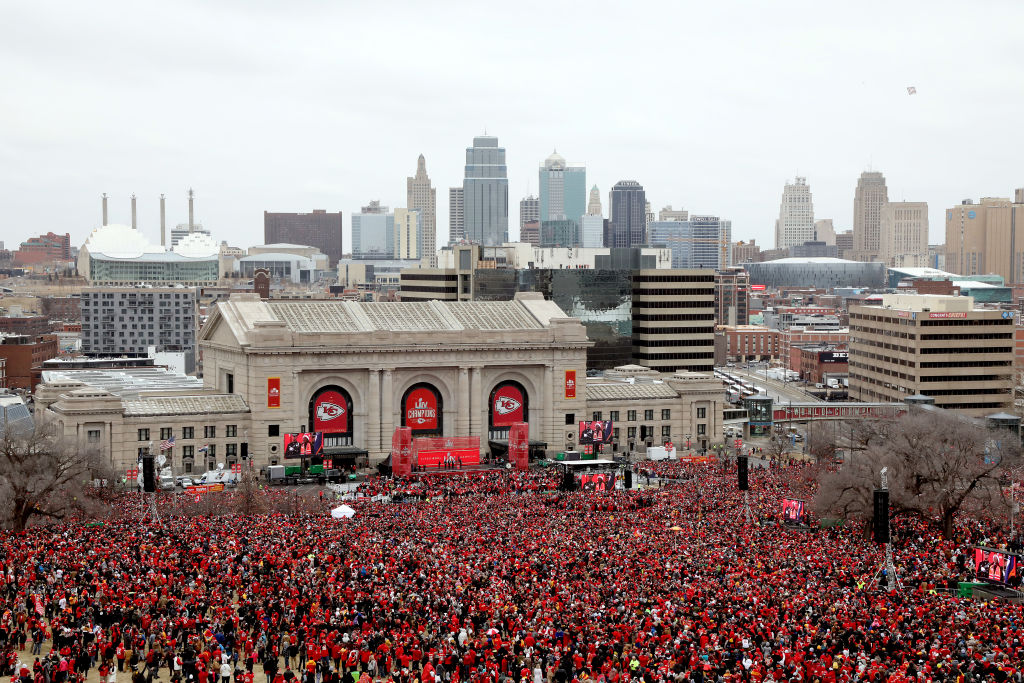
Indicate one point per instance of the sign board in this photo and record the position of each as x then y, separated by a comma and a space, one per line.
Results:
421, 410
507, 406
570, 384
330, 412
273, 392
838, 412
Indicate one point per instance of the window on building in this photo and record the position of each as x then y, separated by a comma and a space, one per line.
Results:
649, 414
143, 435
188, 452
702, 428
210, 432
231, 431
666, 432
631, 432
702, 413
143, 451
188, 467
211, 451
666, 413
597, 415
229, 382
570, 418
165, 432
630, 416
613, 415
615, 433
231, 450
93, 436
188, 432
273, 430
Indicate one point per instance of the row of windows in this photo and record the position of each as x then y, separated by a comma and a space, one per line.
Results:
655, 317
209, 432
646, 430
964, 378
657, 291
674, 278
675, 330
430, 290
418, 276
678, 303
648, 343
989, 335
672, 356
666, 414
230, 451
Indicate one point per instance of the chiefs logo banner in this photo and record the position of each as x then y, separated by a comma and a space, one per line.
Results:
330, 413
507, 406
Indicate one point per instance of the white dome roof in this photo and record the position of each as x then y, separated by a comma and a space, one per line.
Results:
555, 162
197, 245
121, 241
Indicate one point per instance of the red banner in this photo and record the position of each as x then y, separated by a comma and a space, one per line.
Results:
205, 488
508, 406
401, 452
570, 384
330, 413
273, 392
519, 445
421, 413
448, 457
236, 468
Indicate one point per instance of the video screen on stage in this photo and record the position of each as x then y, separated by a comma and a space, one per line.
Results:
598, 483
995, 566
303, 445
792, 510
595, 431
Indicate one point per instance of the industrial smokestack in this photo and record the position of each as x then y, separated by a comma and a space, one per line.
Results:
191, 220
135, 223
163, 222
104, 208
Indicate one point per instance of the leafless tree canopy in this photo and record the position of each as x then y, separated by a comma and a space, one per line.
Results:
940, 465
43, 477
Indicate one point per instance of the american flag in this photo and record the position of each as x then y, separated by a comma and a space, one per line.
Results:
167, 444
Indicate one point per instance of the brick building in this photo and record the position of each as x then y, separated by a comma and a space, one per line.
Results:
803, 337
24, 355
750, 342
32, 325
318, 229
817, 361
44, 249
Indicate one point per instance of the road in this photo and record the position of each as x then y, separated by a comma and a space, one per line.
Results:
780, 392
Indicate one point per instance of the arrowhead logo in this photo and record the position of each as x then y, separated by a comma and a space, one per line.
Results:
325, 412
503, 405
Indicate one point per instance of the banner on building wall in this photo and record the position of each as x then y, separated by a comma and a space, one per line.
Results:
570, 384
422, 412
273, 392
507, 406
330, 412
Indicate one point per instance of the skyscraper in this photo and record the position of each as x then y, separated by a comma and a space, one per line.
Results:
870, 196
594, 205
987, 237
420, 195
698, 242
824, 231
795, 224
485, 193
904, 227
529, 212
628, 214
410, 237
563, 190
373, 233
456, 224
318, 229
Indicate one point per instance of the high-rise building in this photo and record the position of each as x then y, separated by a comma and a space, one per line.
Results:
47, 248
126, 321
529, 211
670, 214
456, 223
824, 231
699, 242
628, 214
410, 236
939, 346
746, 252
530, 233
485, 193
563, 189
732, 297
795, 224
987, 237
318, 229
674, 319
421, 195
870, 196
844, 244
904, 227
592, 231
594, 204
373, 232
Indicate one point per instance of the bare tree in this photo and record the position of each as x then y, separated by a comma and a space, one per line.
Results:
249, 496
821, 441
778, 446
41, 475
940, 465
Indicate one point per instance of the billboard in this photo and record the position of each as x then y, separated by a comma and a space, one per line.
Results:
598, 483
995, 566
273, 392
303, 444
792, 511
508, 405
331, 412
446, 452
422, 410
595, 431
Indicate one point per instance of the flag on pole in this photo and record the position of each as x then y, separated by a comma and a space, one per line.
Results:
205, 447
167, 444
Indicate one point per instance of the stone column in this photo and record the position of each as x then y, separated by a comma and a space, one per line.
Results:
372, 411
477, 409
387, 410
549, 421
462, 404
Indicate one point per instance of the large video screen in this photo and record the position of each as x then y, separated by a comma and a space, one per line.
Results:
792, 511
596, 431
995, 566
303, 445
598, 483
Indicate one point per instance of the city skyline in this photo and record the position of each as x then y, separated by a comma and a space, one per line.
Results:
71, 130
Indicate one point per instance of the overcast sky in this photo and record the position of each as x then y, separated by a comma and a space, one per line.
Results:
289, 106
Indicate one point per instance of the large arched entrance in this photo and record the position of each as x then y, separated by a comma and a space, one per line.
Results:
508, 403
423, 410
330, 412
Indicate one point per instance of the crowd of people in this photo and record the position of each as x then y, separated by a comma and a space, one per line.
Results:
490, 578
